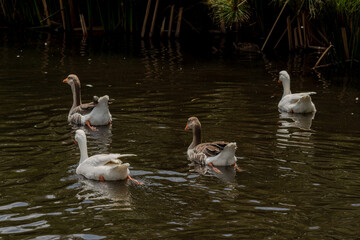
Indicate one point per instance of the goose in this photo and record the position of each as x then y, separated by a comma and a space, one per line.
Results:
103, 116
102, 167
297, 102
98, 116
213, 154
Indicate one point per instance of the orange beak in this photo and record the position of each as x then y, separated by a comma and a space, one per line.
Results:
186, 128
75, 141
65, 80
279, 81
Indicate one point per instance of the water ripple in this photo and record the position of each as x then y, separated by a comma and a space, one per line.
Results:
24, 227
14, 205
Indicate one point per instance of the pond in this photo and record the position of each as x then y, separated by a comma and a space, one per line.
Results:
301, 173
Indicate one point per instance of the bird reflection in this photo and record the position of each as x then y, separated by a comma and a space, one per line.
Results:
94, 190
300, 135
227, 174
302, 121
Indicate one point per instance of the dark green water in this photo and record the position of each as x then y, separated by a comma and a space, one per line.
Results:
297, 183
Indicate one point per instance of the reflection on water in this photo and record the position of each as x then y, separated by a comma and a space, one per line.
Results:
83, 47
302, 173
302, 121
295, 130
115, 191
227, 174
157, 60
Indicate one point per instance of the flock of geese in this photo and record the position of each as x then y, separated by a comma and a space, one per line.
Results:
109, 167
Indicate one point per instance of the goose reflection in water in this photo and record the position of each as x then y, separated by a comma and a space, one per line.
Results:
299, 138
302, 121
116, 191
227, 174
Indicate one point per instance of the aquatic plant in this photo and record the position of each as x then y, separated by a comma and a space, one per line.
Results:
337, 22
313, 7
348, 19
110, 15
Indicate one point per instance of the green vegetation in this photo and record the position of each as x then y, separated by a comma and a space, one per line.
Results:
314, 24
230, 12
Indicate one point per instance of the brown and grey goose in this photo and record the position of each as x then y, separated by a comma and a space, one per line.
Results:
89, 114
213, 153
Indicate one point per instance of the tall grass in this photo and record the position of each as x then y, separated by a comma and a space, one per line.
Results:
330, 17
343, 14
110, 15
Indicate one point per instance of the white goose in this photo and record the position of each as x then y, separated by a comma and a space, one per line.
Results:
99, 115
212, 154
101, 166
297, 102
79, 111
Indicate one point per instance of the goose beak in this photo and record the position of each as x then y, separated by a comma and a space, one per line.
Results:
279, 81
75, 141
186, 128
65, 80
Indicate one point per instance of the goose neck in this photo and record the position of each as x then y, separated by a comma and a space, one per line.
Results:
286, 86
83, 150
75, 88
196, 137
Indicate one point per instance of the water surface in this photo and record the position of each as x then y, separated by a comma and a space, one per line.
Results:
301, 175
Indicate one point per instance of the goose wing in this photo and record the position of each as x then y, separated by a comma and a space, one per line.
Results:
106, 159
84, 108
294, 98
210, 149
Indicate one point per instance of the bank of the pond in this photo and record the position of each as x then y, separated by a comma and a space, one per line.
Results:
329, 27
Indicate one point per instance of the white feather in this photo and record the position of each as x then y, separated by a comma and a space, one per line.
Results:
297, 102
225, 158
108, 166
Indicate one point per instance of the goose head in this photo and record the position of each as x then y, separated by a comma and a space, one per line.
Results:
80, 136
192, 123
72, 79
284, 78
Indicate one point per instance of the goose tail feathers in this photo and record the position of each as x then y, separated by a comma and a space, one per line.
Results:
305, 98
226, 157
